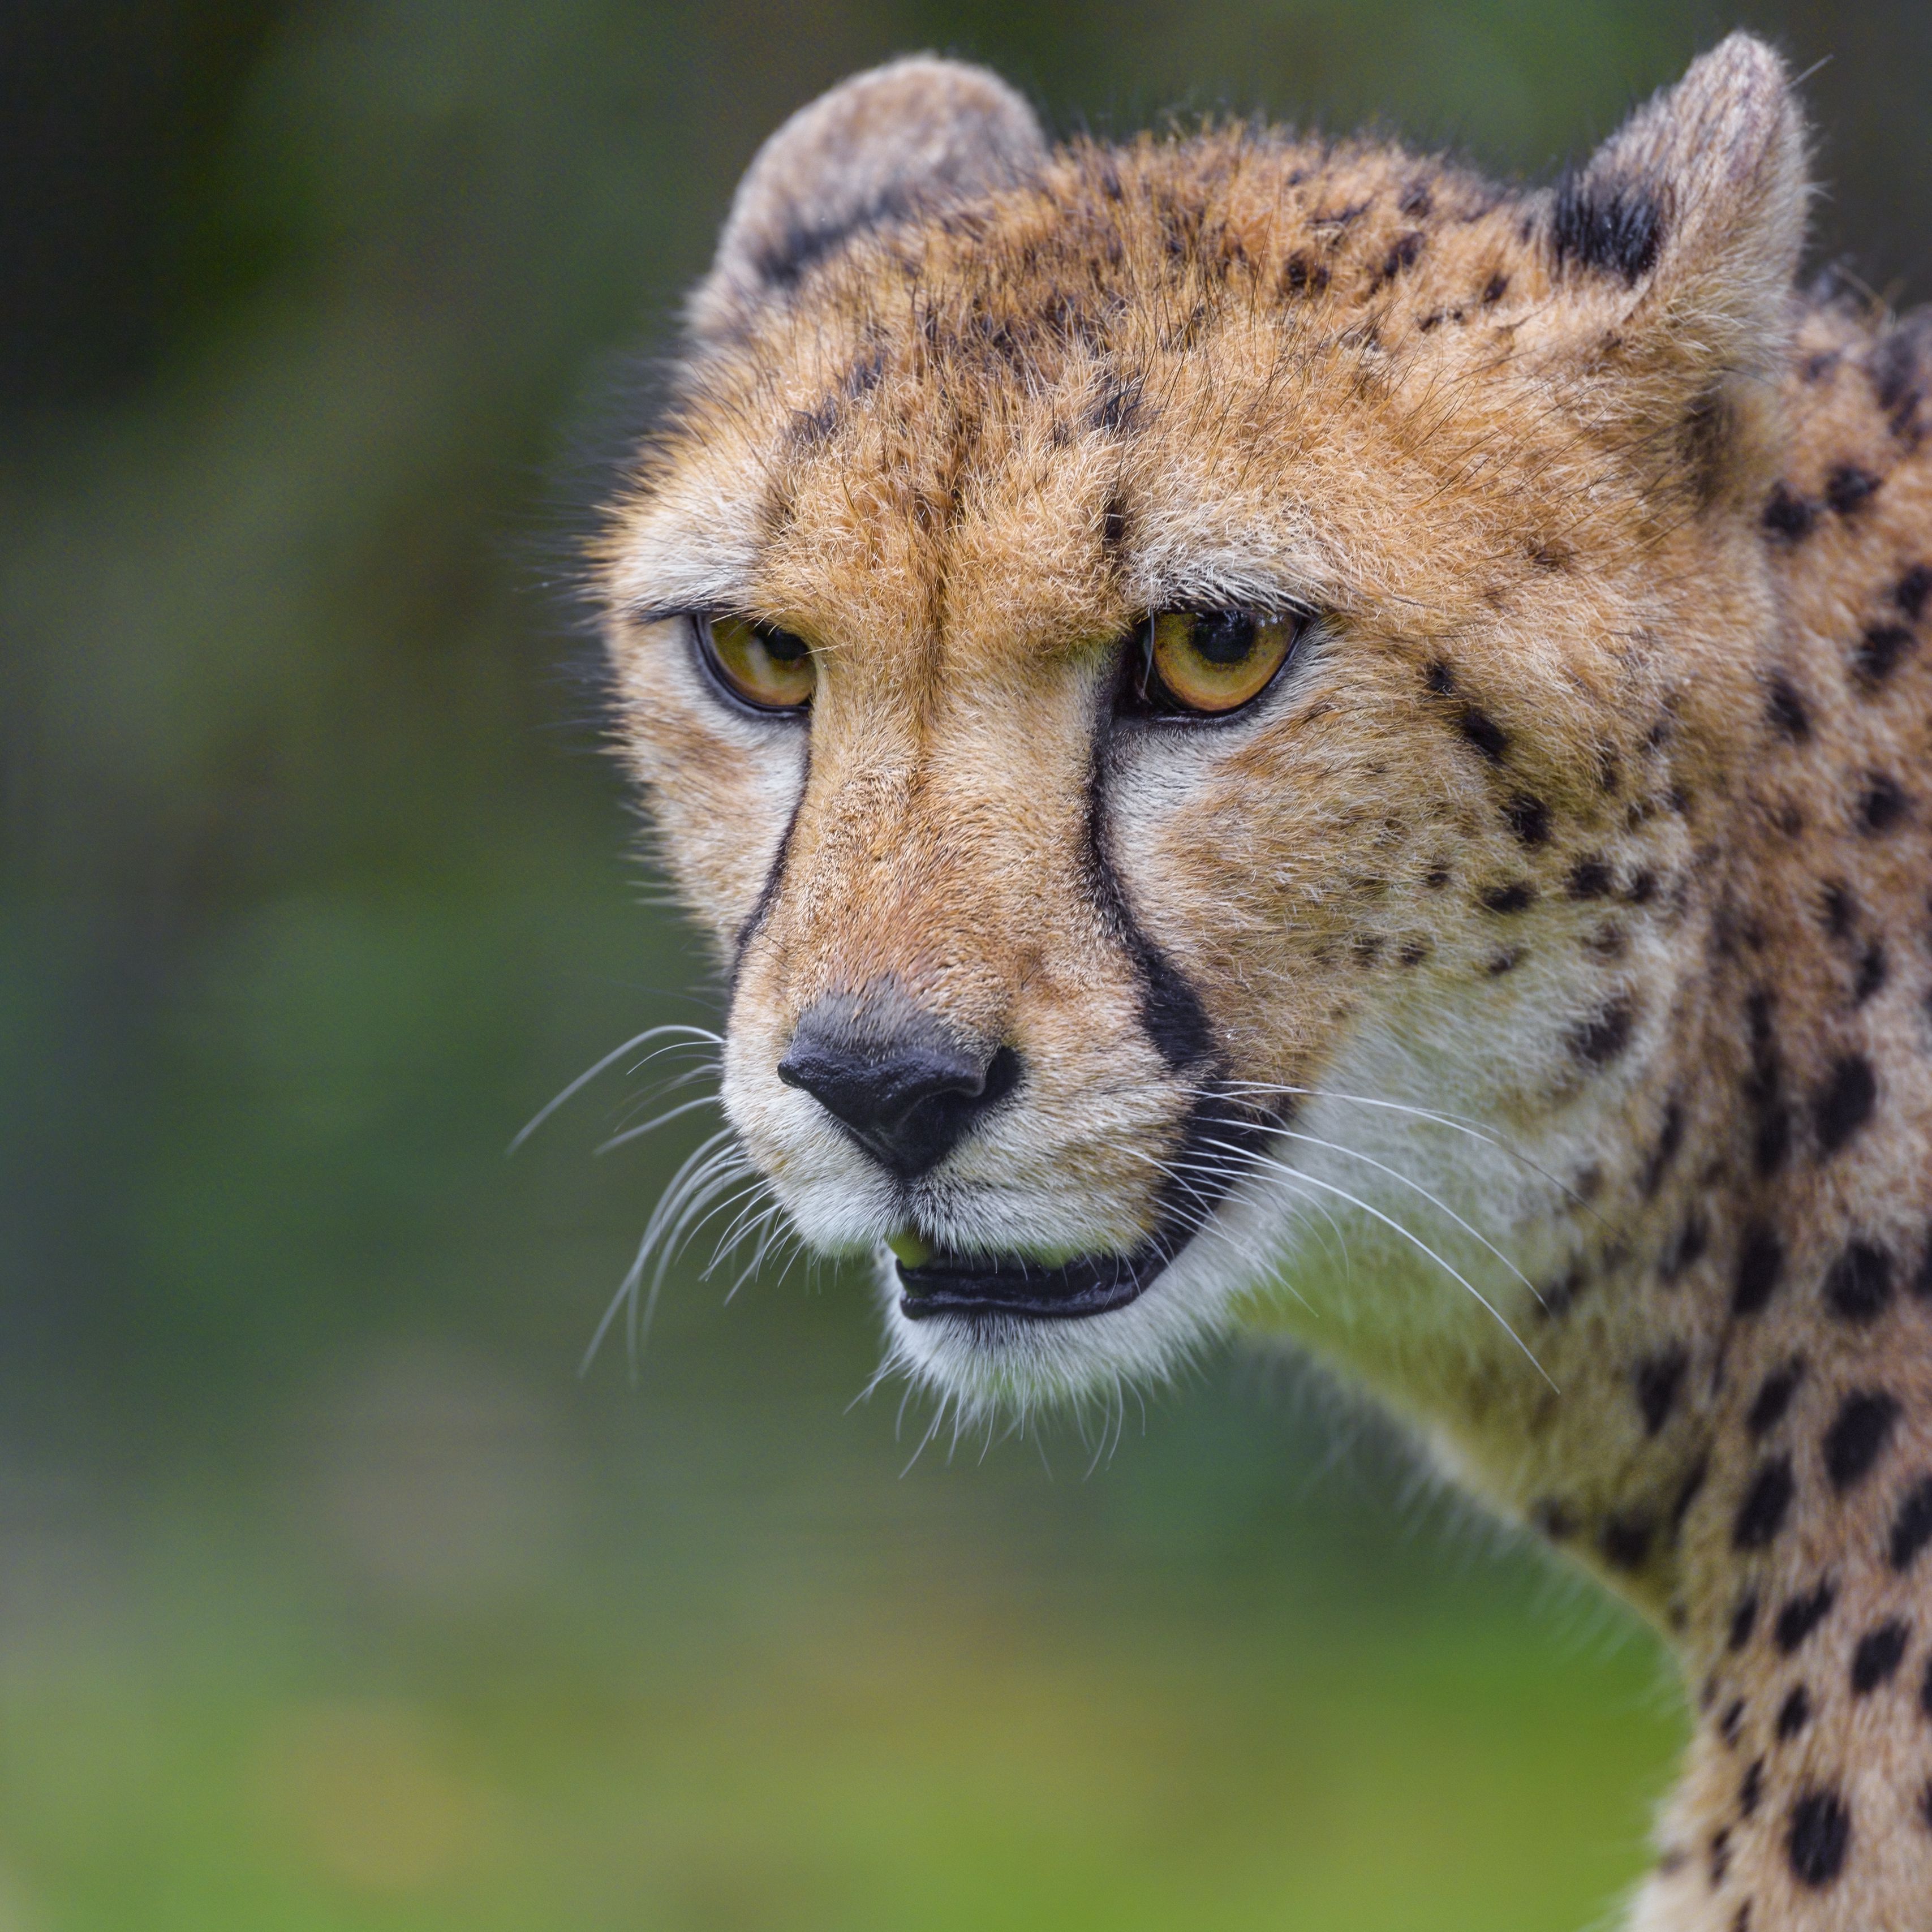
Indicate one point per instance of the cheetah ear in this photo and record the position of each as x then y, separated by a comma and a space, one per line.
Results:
913, 133
1675, 249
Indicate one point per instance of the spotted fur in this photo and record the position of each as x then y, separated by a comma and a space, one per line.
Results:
1558, 927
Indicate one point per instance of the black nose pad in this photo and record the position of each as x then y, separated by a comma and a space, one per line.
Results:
894, 1077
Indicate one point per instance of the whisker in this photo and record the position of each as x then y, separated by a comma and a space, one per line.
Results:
1455, 1122
694, 1172
1375, 1213
652, 1126
610, 1059
1442, 1207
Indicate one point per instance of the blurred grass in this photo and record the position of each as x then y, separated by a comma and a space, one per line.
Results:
328, 1596
464, 1651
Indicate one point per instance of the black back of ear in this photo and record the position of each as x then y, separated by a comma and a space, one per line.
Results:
900, 138
1674, 252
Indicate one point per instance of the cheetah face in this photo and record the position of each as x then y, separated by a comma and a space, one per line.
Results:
1131, 651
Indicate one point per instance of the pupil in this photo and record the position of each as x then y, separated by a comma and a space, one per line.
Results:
786, 646
1224, 637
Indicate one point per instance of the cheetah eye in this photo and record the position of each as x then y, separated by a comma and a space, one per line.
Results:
758, 665
1206, 664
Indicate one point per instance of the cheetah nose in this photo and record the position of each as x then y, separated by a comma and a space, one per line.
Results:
895, 1077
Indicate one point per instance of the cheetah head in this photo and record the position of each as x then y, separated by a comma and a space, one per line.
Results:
1134, 651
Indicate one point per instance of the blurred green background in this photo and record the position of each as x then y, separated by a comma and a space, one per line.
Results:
330, 1596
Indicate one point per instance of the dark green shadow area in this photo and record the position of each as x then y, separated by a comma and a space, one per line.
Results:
331, 1596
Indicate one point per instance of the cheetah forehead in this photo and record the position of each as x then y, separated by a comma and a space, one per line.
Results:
1239, 364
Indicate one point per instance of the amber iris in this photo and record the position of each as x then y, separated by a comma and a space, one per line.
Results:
768, 668
1204, 663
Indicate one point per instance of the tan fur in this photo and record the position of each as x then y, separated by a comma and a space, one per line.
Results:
1596, 816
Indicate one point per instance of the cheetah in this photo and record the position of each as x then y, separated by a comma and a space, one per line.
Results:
1231, 689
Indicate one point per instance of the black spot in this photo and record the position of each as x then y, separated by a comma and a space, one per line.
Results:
1416, 201
1859, 1286
1560, 1297
1733, 1721
1751, 1791
1912, 1528
1925, 1690
1858, 1435
1485, 733
1877, 653
1413, 952
1600, 1040
1801, 1615
1589, 879
1848, 487
1878, 1656
1922, 1282
1841, 909
1494, 289
1794, 1713
1299, 276
1760, 1263
1820, 1836
1553, 1519
1693, 1238
1846, 1103
1515, 898
1625, 1541
1912, 589
1403, 251
1766, 1503
1506, 961
1614, 223
1528, 818
1788, 515
1642, 888
1925, 1806
1786, 711
1436, 877
1658, 1379
1744, 1620
1721, 1854
1687, 1493
1882, 804
1773, 1398
1871, 974
1119, 405
1114, 526
1670, 1139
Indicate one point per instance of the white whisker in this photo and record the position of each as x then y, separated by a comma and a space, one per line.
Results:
610, 1059
1375, 1213
662, 1119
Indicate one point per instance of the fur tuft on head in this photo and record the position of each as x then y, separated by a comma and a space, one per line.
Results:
893, 141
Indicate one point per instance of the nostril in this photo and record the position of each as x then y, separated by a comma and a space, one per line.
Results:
898, 1082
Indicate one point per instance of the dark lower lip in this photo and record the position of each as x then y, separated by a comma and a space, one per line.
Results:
1008, 1284
990, 1284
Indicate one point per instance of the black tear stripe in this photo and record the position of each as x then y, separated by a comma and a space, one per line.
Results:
1224, 1136
768, 892
1172, 1015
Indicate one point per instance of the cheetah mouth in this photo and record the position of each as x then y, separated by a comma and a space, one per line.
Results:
1221, 1141
982, 1285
